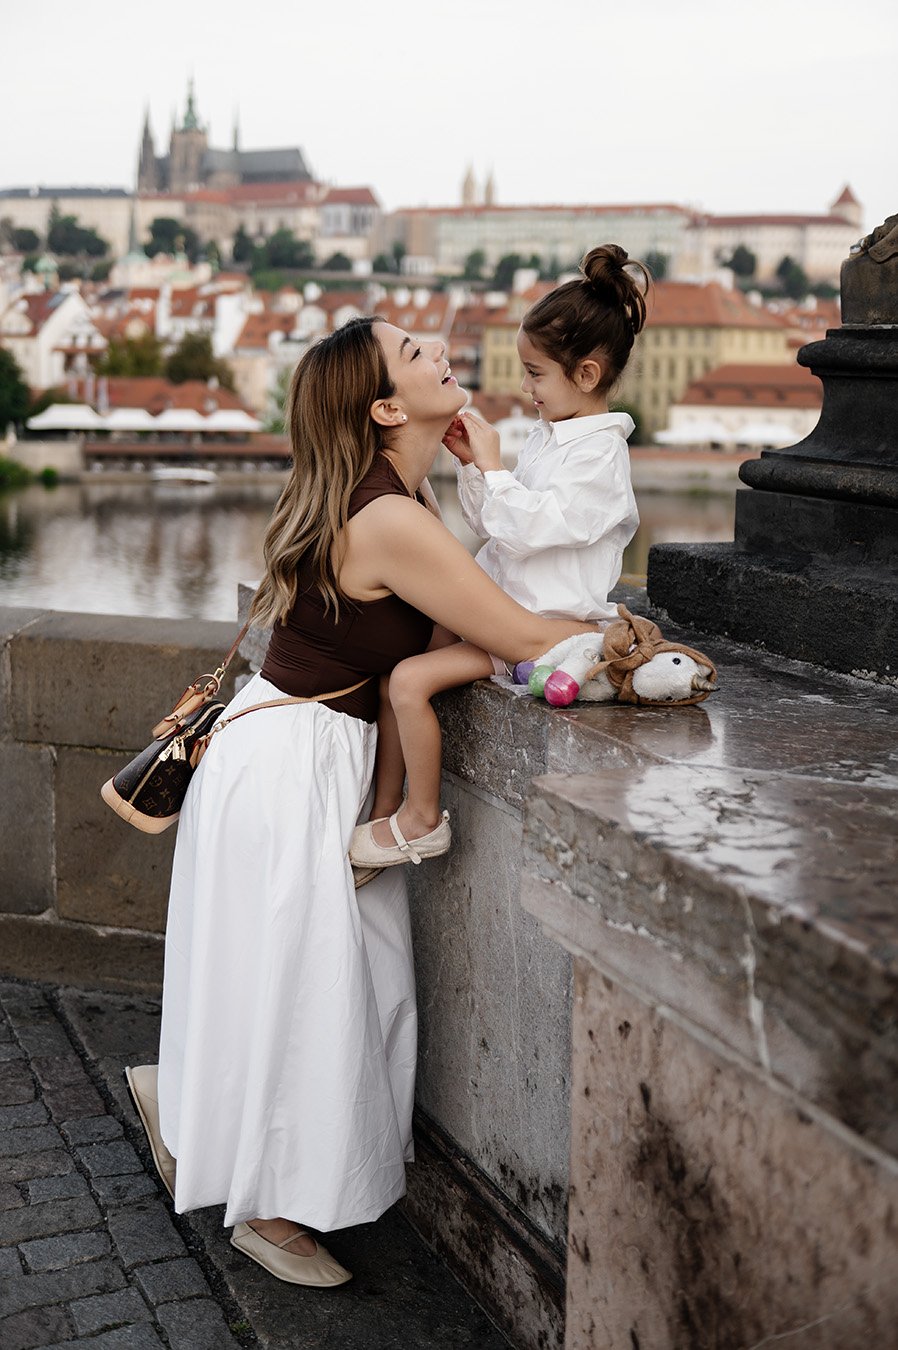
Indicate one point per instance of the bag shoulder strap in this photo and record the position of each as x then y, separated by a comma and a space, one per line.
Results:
283, 702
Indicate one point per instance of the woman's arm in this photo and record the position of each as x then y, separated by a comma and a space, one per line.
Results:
407, 551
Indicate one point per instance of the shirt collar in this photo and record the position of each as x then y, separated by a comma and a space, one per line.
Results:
572, 428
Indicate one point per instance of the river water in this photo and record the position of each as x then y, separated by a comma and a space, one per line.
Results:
179, 551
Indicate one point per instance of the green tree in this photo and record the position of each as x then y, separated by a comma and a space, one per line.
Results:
636, 414
657, 263
132, 356
551, 270
71, 240
100, 271
474, 265
337, 262
46, 400
283, 249
743, 262
171, 236
382, 263
275, 422
14, 393
242, 247
193, 359
25, 240
791, 276
506, 267
398, 252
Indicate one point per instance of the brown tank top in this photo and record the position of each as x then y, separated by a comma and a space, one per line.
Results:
314, 653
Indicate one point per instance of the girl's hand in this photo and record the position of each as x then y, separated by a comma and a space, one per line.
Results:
478, 443
454, 442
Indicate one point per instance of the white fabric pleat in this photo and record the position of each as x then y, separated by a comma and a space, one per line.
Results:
287, 1055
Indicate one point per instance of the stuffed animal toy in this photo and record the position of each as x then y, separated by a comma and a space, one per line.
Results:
630, 662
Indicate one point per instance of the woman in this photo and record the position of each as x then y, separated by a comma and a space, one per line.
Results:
286, 1065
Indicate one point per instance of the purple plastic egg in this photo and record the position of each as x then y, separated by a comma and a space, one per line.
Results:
522, 671
537, 682
561, 689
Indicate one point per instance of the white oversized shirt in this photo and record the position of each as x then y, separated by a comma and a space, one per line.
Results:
558, 525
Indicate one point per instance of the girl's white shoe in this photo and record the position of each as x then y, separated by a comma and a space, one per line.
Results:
364, 851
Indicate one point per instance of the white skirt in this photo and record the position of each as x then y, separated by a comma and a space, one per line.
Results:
287, 1054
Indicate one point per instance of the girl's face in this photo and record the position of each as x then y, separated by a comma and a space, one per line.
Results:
555, 397
426, 389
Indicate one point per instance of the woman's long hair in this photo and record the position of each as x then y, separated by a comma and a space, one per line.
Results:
334, 441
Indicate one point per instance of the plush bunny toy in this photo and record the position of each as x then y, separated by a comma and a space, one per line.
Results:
630, 662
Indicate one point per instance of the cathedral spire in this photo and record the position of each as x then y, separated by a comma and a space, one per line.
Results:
191, 121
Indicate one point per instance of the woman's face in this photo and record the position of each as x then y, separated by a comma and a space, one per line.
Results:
426, 389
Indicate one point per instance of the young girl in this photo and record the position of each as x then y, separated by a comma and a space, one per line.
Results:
557, 528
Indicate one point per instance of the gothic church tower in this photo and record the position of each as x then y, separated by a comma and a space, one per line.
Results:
188, 146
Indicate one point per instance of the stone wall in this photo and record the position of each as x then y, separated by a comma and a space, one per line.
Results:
84, 895
723, 877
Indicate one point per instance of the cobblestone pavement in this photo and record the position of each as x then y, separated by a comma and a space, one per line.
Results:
91, 1253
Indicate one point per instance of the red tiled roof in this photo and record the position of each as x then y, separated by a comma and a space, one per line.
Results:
846, 198
785, 386
431, 317
650, 208
355, 196
154, 393
683, 304
259, 328
38, 308
743, 222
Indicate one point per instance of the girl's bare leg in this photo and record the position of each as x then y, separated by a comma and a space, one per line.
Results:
413, 684
389, 769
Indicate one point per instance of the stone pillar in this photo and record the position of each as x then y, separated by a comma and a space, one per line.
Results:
813, 570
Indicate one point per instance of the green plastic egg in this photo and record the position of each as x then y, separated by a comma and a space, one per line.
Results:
537, 682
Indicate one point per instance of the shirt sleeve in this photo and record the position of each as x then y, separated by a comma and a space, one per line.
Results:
471, 491
590, 496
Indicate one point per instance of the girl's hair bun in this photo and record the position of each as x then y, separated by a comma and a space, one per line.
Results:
605, 270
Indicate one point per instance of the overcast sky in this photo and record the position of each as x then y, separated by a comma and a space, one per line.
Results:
770, 105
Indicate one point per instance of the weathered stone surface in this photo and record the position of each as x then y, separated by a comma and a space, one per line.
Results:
36, 1327
144, 1232
197, 1324
707, 1209
12, 621
839, 616
492, 739
103, 680
498, 1085
514, 1274
58, 1286
737, 898
76, 954
59, 1253
107, 872
37, 1221
165, 1281
26, 855
101, 1311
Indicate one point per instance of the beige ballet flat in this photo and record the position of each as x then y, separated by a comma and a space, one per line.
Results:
362, 875
364, 851
320, 1271
142, 1084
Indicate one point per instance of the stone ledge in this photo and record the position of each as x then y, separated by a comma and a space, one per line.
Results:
812, 611
78, 955
735, 898
105, 679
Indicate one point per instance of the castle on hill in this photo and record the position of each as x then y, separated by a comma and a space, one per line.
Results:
192, 163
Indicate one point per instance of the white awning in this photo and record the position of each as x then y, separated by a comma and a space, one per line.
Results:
231, 419
695, 433
774, 434
66, 417
179, 419
129, 419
